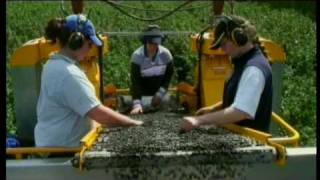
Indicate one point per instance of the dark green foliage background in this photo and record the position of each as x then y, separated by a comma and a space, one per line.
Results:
290, 24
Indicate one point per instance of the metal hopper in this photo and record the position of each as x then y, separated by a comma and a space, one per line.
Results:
159, 143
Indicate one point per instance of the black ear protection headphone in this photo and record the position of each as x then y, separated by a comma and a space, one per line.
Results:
76, 38
238, 34
151, 31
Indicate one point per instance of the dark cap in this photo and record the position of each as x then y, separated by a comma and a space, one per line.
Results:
154, 40
153, 31
152, 34
223, 29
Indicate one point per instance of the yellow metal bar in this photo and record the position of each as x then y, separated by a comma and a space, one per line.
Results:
34, 150
281, 152
258, 135
123, 91
82, 157
262, 137
294, 135
39, 49
90, 138
216, 106
208, 39
274, 52
277, 142
186, 88
126, 91
35, 50
87, 142
18, 156
19, 152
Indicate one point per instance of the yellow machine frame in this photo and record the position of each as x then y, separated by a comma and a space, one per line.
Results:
215, 66
26, 67
39, 50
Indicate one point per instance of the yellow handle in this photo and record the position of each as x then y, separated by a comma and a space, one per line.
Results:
294, 135
277, 142
87, 143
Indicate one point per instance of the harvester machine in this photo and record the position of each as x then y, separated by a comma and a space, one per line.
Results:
157, 150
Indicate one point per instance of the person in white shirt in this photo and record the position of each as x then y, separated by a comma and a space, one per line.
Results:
247, 97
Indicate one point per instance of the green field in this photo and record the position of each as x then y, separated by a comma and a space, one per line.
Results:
289, 24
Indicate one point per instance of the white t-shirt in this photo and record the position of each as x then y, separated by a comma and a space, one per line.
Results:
65, 98
249, 91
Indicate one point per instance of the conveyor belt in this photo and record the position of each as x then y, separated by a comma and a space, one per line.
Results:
159, 143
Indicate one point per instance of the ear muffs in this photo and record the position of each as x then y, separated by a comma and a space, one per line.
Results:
239, 37
76, 39
238, 34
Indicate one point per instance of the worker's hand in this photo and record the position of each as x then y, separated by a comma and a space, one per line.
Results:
137, 122
204, 110
137, 109
156, 100
188, 124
